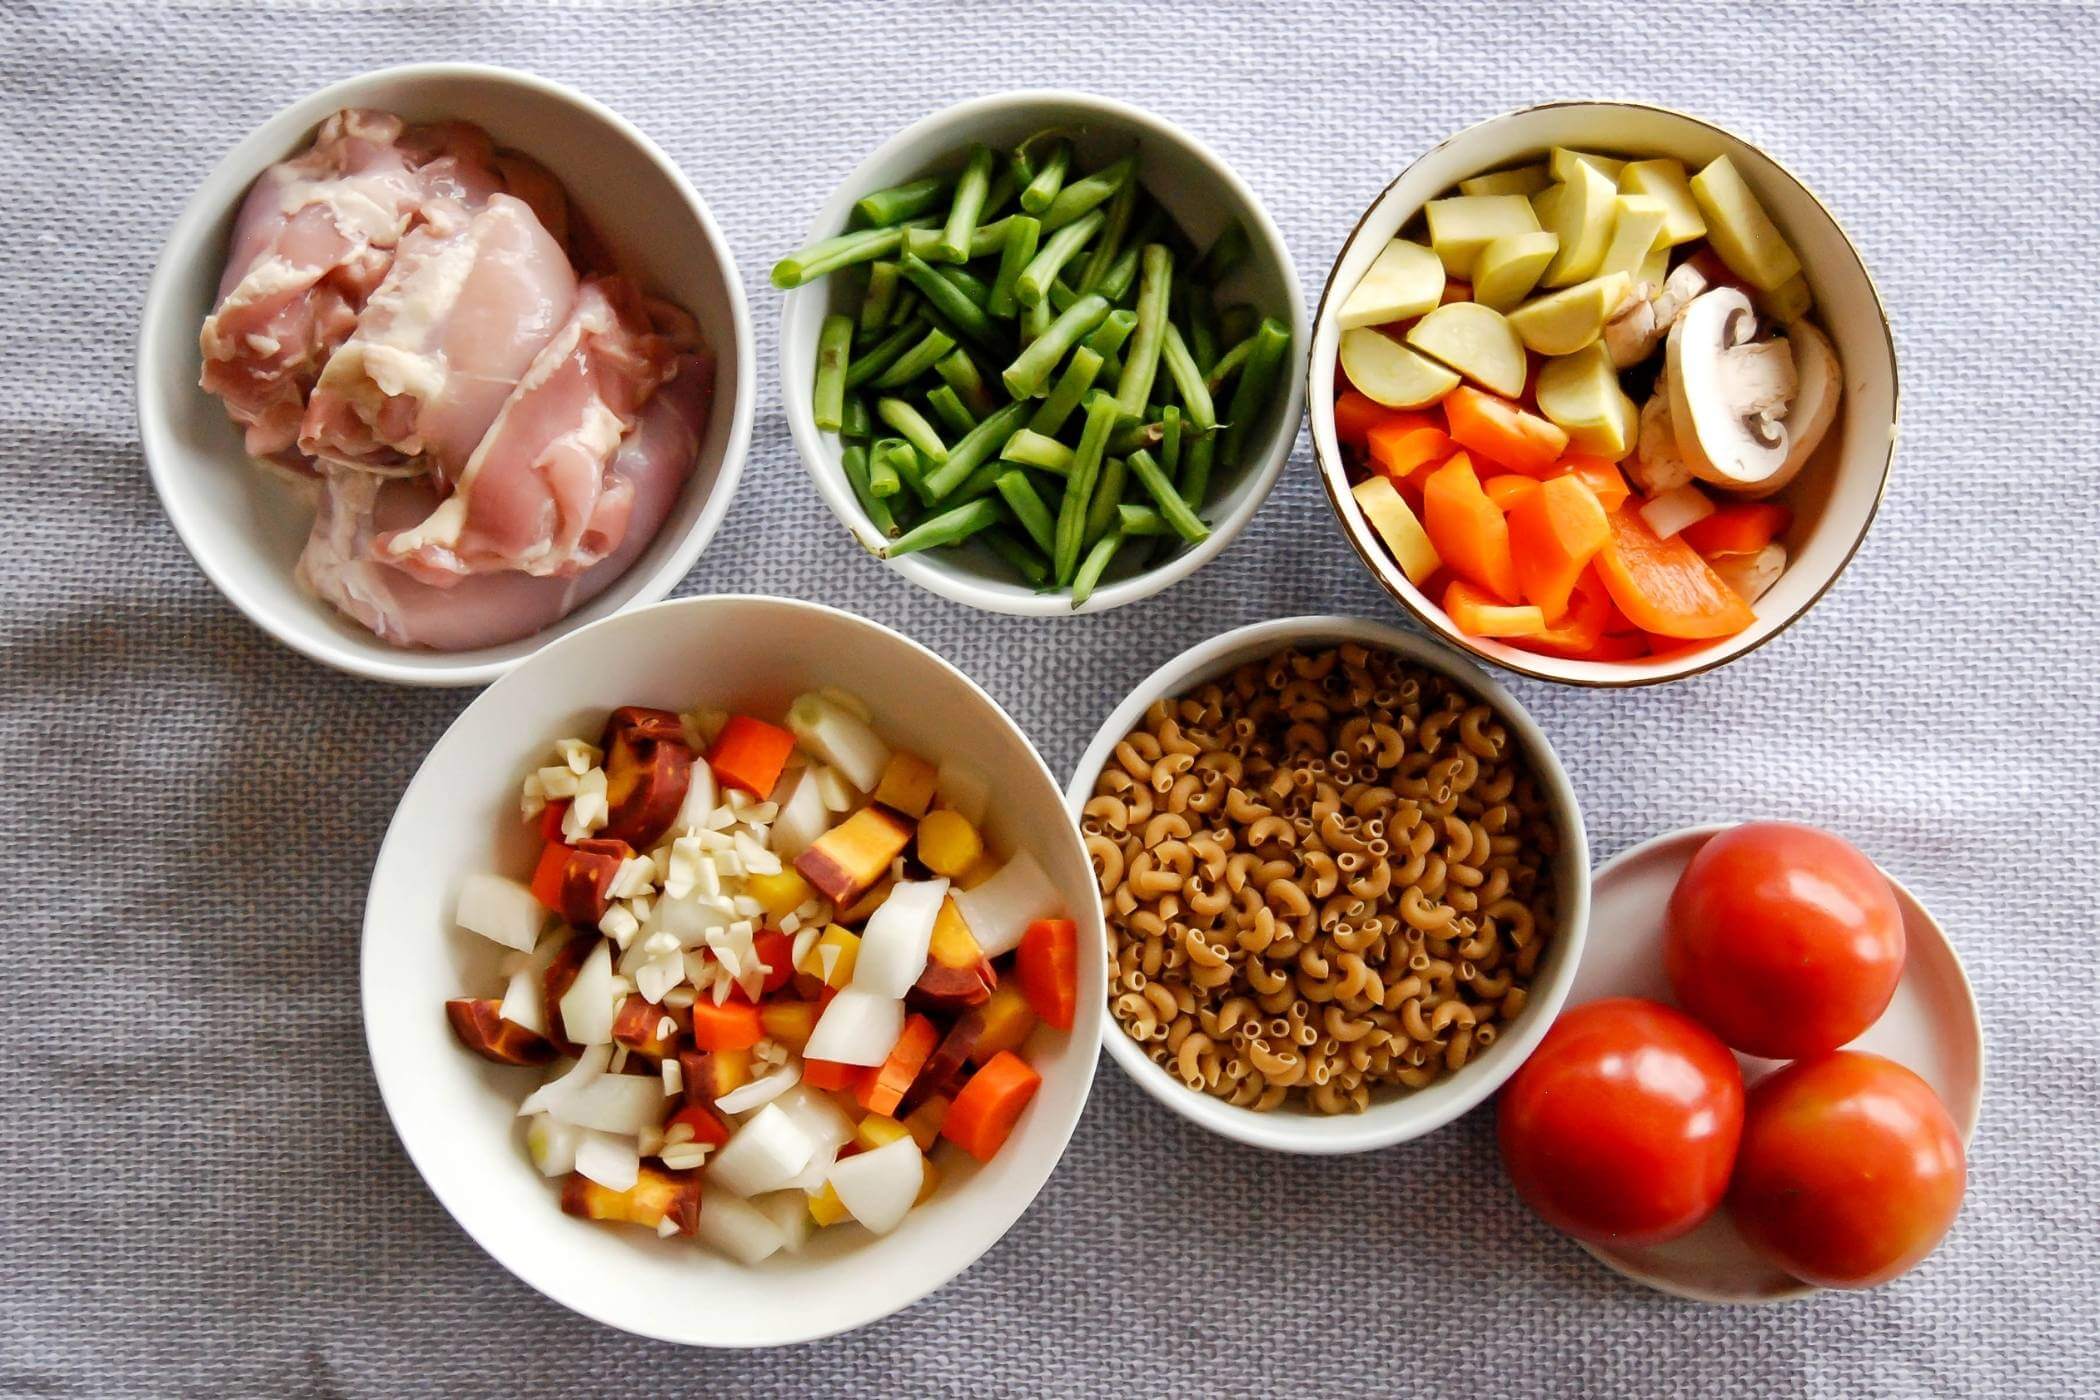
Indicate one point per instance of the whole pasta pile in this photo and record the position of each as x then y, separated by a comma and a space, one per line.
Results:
1326, 874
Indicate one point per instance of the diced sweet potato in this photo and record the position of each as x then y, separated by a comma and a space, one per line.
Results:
852, 856
658, 1194
907, 784
648, 767
554, 985
945, 1067
479, 1024
709, 1074
857, 912
957, 975
924, 1122
1007, 1019
788, 1022
638, 1025
695, 1123
587, 877
947, 843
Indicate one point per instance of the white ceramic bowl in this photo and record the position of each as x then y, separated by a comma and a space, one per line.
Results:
456, 1113
1409, 1114
246, 527
1202, 193
1837, 494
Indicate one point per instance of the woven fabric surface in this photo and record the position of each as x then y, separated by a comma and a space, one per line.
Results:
204, 1194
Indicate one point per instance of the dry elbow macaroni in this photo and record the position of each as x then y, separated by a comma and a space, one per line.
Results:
1326, 875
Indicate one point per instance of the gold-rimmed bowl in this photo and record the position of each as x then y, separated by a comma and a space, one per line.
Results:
1836, 497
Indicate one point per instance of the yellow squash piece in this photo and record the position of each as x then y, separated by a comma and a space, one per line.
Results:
826, 1208
1476, 341
1526, 180
1580, 393
1388, 372
1383, 506
1740, 230
1459, 227
848, 944
1636, 224
948, 844
1510, 267
1561, 163
1665, 180
1404, 281
1580, 211
1562, 322
1788, 302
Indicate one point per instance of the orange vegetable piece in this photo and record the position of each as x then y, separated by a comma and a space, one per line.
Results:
1502, 432
1477, 614
1469, 533
1356, 414
1604, 479
551, 817
883, 1090
734, 1025
1580, 631
749, 754
547, 875
829, 1074
1664, 587
1554, 533
1509, 488
707, 1128
1406, 441
1742, 528
1047, 967
986, 1108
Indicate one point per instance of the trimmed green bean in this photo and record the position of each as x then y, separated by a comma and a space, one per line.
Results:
1086, 468
1228, 365
853, 421
996, 197
1061, 296
831, 254
1141, 520
1226, 252
1047, 179
1188, 380
1114, 329
1028, 508
1130, 436
881, 295
1017, 553
960, 373
1141, 365
882, 476
1022, 234
948, 406
1056, 250
967, 205
904, 305
1035, 320
1121, 206
924, 243
1201, 315
911, 425
904, 460
1071, 387
1033, 449
968, 283
1257, 381
1195, 470
1108, 494
881, 356
1172, 507
1170, 440
1097, 561
854, 463
834, 353
944, 297
1075, 200
979, 445
915, 361
1029, 374
949, 527
900, 202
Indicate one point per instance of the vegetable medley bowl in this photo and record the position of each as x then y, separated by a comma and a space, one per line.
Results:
1225, 246
1602, 393
620, 1072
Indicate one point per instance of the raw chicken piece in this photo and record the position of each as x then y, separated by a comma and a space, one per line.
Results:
341, 564
537, 495
470, 300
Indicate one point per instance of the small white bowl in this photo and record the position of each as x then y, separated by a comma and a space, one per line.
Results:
1838, 493
245, 527
1407, 1114
1202, 193
1931, 1026
456, 1113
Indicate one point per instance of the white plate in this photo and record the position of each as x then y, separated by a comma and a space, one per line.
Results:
1931, 1026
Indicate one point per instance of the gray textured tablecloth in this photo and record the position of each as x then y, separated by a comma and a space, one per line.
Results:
203, 1195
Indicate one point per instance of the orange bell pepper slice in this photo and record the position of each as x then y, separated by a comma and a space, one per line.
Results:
1502, 432
1468, 531
1743, 528
1580, 631
1664, 587
1554, 532
1477, 614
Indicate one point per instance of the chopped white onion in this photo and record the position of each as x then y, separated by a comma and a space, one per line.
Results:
615, 1103
849, 702
588, 1006
737, 1228
588, 1066
964, 789
803, 817
789, 1212
879, 1187
501, 910
553, 1144
859, 1027
835, 735
894, 942
522, 1003
1000, 910
760, 1092
1669, 513
764, 1153
611, 1160
838, 794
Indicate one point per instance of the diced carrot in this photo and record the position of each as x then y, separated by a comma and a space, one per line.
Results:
1579, 631
987, 1107
550, 819
883, 1090
1502, 432
749, 754
1553, 534
1406, 442
1478, 614
1743, 528
1604, 479
1509, 488
777, 951
1355, 415
707, 1128
829, 1074
547, 875
1664, 586
1468, 531
734, 1025
1047, 967
924, 1122
1455, 290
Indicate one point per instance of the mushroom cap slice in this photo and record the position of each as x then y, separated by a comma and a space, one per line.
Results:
1752, 575
1728, 393
1819, 383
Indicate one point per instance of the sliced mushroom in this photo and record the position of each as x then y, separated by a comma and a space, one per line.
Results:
1632, 335
1818, 384
1657, 466
1729, 392
1752, 574
1684, 283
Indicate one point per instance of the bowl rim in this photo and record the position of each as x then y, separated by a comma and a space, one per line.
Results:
1536, 667
196, 526
577, 1296
1019, 602
1323, 1135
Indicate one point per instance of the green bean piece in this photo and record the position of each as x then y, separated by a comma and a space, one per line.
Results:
1016, 552
924, 243
1121, 206
1028, 377
961, 374
853, 420
911, 425
1072, 386
1141, 365
947, 406
1200, 314
1022, 234
1129, 436
904, 460
907, 304
1035, 320
1075, 200
1049, 260
880, 297
915, 361
996, 197
1170, 440
1079, 492
900, 202
854, 463
1134, 519
881, 356
1047, 179
1171, 506
834, 352
1236, 322
968, 283
1097, 561
981, 444
1119, 283
1188, 380
1195, 470
882, 476
1108, 494
966, 207
1034, 449
831, 254
944, 297
1226, 252
1257, 381
949, 527
1028, 508
1227, 366
1061, 296
1114, 329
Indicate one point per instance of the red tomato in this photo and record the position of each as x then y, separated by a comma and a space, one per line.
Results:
1785, 939
1851, 1171
1621, 1126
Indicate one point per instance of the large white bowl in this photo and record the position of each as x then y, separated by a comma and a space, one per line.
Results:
455, 1112
1408, 1114
1836, 498
245, 527
1202, 193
